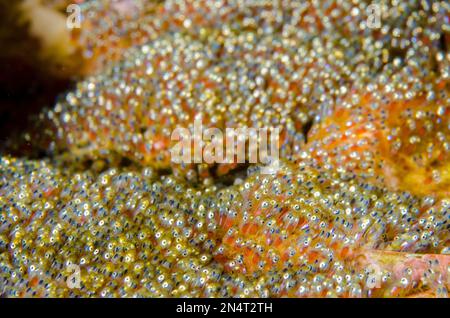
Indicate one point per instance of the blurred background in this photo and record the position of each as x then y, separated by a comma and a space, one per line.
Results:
32, 70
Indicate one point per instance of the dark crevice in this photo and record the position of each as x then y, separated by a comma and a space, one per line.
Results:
24, 92
306, 128
443, 43
164, 172
125, 162
228, 179
40, 154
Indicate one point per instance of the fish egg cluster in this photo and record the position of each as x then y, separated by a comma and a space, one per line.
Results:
92, 204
